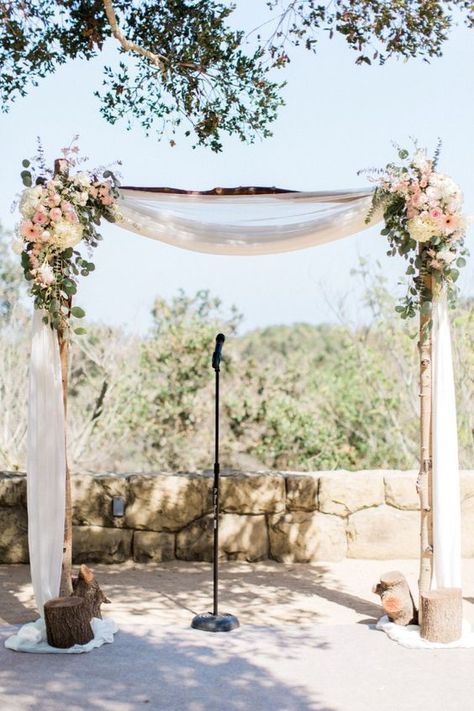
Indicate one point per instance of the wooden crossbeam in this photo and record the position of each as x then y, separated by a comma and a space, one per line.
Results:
240, 190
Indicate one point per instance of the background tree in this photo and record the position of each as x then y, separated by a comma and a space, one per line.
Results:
181, 64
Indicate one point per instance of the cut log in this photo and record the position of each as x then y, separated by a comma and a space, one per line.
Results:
67, 622
87, 587
396, 598
441, 619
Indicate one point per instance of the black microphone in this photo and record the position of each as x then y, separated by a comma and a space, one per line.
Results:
216, 356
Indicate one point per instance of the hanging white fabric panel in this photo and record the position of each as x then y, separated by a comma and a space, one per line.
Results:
245, 224
46, 463
446, 490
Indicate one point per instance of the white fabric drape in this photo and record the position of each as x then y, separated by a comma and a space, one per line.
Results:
446, 491
245, 224
234, 225
46, 463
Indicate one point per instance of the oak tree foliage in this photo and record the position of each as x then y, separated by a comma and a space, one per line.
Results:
182, 64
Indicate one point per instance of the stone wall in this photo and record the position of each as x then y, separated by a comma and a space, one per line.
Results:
286, 516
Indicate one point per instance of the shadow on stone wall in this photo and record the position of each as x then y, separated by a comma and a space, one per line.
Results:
285, 516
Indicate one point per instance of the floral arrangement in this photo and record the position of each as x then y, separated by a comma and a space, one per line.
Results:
60, 210
422, 211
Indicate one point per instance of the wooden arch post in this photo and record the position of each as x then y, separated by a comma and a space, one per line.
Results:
62, 166
425, 477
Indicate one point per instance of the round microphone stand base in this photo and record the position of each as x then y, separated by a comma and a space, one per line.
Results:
208, 622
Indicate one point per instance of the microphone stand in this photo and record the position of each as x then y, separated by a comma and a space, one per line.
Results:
213, 621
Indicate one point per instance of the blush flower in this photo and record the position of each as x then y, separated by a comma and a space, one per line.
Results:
450, 223
30, 231
40, 217
55, 214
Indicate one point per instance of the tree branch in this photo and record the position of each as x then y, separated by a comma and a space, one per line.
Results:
126, 44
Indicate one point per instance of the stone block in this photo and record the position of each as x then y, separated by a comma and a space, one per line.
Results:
13, 535
252, 493
95, 544
302, 537
92, 499
12, 489
195, 541
153, 546
240, 538
383, 533
343, 493
301, 491
400, 490
166, 502
243, 537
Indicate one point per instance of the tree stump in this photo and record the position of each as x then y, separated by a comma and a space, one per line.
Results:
67, 622
396, 598
87, 587
441, 619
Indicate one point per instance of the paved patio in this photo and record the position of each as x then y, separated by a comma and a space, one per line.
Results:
306, 643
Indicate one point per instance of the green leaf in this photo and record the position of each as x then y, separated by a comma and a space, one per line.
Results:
426, 308
69, 287
77, 312
80, 331
107, 173
403, 154
461, 262
26, 178
25, 163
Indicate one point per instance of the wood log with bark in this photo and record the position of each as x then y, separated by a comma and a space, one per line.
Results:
67, 622
86, 586
397, 600
68, 619
441, 619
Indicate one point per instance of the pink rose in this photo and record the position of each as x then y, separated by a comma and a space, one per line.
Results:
66, 206
54, 200
40, 217
107, 200
71, 217
55, 214
436, 213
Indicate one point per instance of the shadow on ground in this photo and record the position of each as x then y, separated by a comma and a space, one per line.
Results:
265, 592
177, 671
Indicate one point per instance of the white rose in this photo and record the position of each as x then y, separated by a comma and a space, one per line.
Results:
82, 179
421, 162
82, 198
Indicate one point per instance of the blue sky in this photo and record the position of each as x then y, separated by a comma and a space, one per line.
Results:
338, 118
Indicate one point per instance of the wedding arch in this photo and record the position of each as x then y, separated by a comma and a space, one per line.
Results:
61, 209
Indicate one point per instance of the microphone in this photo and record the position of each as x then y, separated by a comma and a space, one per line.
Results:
216, 356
